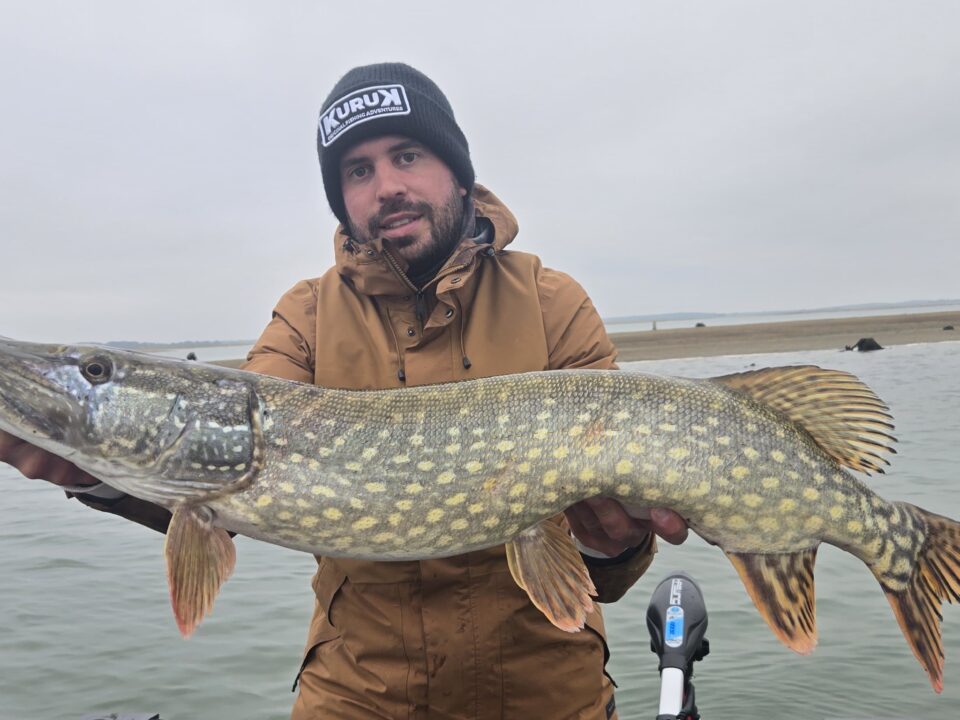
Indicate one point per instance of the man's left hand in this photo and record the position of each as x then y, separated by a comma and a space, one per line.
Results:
602, 524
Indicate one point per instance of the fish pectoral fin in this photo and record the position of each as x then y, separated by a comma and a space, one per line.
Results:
545, 562
781, 586
200, 558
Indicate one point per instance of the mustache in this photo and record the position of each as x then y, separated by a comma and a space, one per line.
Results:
397, 206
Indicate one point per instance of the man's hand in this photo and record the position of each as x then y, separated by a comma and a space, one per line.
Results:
39, 464
602, 524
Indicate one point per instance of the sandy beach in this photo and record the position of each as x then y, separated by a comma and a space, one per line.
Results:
838, 333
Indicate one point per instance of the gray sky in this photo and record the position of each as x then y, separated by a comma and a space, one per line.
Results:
159, 178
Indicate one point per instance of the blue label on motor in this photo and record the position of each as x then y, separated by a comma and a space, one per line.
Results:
673, 633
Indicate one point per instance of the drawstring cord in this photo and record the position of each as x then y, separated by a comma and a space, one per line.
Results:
401, 373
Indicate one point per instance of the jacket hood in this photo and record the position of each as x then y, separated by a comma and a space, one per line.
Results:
364, 264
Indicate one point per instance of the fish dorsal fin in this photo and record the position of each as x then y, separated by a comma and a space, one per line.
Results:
781, 586
545, 562
842, 415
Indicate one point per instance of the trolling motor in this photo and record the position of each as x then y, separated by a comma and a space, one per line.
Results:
677, 621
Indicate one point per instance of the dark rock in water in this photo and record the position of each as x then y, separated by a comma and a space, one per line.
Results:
191, 355
948, 327
865, 345
700, 325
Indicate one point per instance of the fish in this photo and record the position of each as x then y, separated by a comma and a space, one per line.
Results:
758, 463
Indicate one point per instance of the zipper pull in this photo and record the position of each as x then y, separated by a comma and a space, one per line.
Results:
421, 309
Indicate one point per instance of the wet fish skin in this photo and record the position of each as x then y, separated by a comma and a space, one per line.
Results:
445, 469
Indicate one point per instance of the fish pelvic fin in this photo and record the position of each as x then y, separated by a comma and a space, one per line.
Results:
839, 412
545, 562
781, 586
917, 594
200, 558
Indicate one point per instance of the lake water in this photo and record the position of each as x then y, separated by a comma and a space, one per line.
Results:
88, 626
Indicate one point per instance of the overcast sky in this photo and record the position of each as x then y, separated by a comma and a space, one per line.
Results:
159, 180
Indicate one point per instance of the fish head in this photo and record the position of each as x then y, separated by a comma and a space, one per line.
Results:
161, 429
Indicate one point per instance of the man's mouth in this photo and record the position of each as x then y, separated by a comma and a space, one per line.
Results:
398, 221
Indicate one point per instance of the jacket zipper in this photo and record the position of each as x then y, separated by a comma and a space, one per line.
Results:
421, 302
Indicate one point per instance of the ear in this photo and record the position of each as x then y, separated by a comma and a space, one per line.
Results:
462, 190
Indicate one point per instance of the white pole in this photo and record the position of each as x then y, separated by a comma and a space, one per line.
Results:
671, 691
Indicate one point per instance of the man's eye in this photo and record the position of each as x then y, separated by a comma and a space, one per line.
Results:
358, 172
405, 158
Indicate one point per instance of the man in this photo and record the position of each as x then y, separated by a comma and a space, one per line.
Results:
425, 291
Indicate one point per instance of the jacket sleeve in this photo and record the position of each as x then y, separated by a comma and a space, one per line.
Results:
285, 350
577, 338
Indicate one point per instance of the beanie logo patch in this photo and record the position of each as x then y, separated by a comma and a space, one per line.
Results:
358, 107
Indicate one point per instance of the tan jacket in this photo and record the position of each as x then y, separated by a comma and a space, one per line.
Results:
454, 637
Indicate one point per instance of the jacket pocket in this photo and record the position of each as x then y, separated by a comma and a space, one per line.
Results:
327, 583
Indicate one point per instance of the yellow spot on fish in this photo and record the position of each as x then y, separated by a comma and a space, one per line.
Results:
264, 500
491, 522
855, 526
739, 472
364, 523
505, 445
296, 458
813, 523
453, 432
545, 415
751, 427
811, 493
446, 477
575, 430
737, 522
836, 512
425, 465
678, 453
550, 477
623, 489
404, 504
284, 515
414, 488
769, 524
671, 476
301, 503
473, 466
714, 461
550, 496
475, 508
751, 453
668, 407
394, 519
534, 453
339, 442
287, 487
308, 522
540, 434
722, 440
400, 459
353, 466
751, 500
456, 499
375, 487
435, 515
356, 503
383, 537
417, 531
518, 489
478, 445
587, 474
459, 524
368, 453
699, 429
313, 464
770, 482
787, 504
624, 467
725, 500
711, 519
591, 450
700, 490
416, 440
452, 448
560, 453
634, 448
621, 415
241, 467
778, 456
712, 421
667, 427
323, 490
516, 508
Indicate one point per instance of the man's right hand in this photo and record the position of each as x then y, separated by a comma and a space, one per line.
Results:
37, 463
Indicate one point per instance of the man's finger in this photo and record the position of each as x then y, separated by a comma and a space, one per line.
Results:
668, 525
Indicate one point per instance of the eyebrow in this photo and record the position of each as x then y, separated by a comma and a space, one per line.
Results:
352, 160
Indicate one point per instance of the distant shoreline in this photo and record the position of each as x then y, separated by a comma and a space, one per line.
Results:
786, 336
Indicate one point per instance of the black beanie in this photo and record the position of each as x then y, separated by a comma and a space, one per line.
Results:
387, 99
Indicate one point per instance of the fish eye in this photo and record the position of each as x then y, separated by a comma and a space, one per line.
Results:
96, 370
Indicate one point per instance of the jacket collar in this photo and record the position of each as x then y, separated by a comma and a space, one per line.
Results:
372, 272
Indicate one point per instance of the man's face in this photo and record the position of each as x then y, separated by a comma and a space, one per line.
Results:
395, 188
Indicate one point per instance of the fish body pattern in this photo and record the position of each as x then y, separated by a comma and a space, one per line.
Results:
756, 463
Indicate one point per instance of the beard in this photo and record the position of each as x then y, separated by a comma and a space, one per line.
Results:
446, 229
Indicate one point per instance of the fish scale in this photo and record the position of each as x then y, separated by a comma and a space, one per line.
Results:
757, 463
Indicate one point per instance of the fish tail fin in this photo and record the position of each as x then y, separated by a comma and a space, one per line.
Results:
922, 570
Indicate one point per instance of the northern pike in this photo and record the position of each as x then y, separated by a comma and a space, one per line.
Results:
755, 462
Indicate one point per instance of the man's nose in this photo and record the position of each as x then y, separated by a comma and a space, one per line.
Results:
390, 182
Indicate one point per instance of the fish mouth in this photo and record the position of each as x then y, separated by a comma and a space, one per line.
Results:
35, 404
